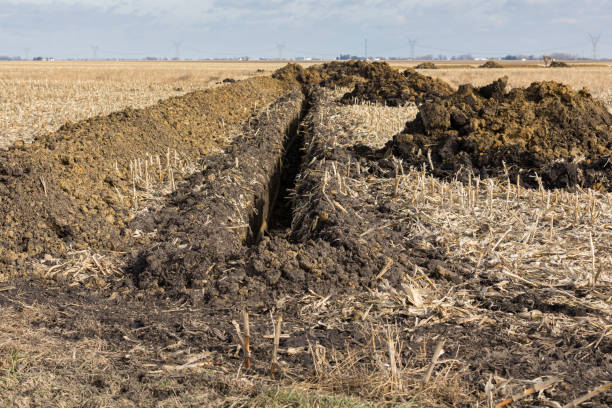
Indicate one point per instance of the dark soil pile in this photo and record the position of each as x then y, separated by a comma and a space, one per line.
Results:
426, 65
74, 188
491, 64
558, 64
562, 135
395, 89
372, 81
333, 74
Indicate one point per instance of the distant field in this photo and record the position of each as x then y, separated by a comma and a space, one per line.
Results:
38, 97
597, 78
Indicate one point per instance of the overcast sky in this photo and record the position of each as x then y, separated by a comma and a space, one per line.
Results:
218, 28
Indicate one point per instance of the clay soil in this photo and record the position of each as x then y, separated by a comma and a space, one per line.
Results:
127, 266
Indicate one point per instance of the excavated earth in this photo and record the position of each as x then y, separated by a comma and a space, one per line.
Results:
546, 133
284, 212
372, 82
74, 189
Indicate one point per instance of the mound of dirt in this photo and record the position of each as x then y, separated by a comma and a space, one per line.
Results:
75, 188
333, 74
558, 64
426, 65
491, 64
562, 135
372, 81
395, 89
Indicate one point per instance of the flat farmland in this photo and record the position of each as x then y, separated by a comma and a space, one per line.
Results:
38, 97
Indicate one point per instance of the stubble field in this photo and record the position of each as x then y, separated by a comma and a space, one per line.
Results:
384, 239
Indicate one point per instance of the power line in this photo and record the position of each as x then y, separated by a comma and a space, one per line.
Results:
177, 49
594, 42
280, 47
412, 43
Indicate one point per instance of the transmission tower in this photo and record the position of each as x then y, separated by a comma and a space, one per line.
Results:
365, 48
94, 51
27, 53
412, 43
280, 47
177, 49
594, 42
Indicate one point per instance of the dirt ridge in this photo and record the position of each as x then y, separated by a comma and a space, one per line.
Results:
74, 189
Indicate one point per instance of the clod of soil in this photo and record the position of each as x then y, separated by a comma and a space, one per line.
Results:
558, 64
74, 188
491, 64
372, 81
426, 65
548, 129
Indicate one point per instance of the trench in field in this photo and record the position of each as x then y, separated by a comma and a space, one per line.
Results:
274, 210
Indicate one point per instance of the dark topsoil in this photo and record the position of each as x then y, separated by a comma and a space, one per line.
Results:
373, 82
548, 129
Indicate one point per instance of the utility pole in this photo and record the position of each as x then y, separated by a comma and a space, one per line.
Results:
594, 41
412, 43
280, 47
177, 49
365, 46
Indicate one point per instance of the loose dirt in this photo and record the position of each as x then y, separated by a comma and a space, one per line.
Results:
74, 189
546, 131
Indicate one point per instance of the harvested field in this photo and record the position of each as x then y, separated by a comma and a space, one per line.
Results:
300, 258
38, 97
